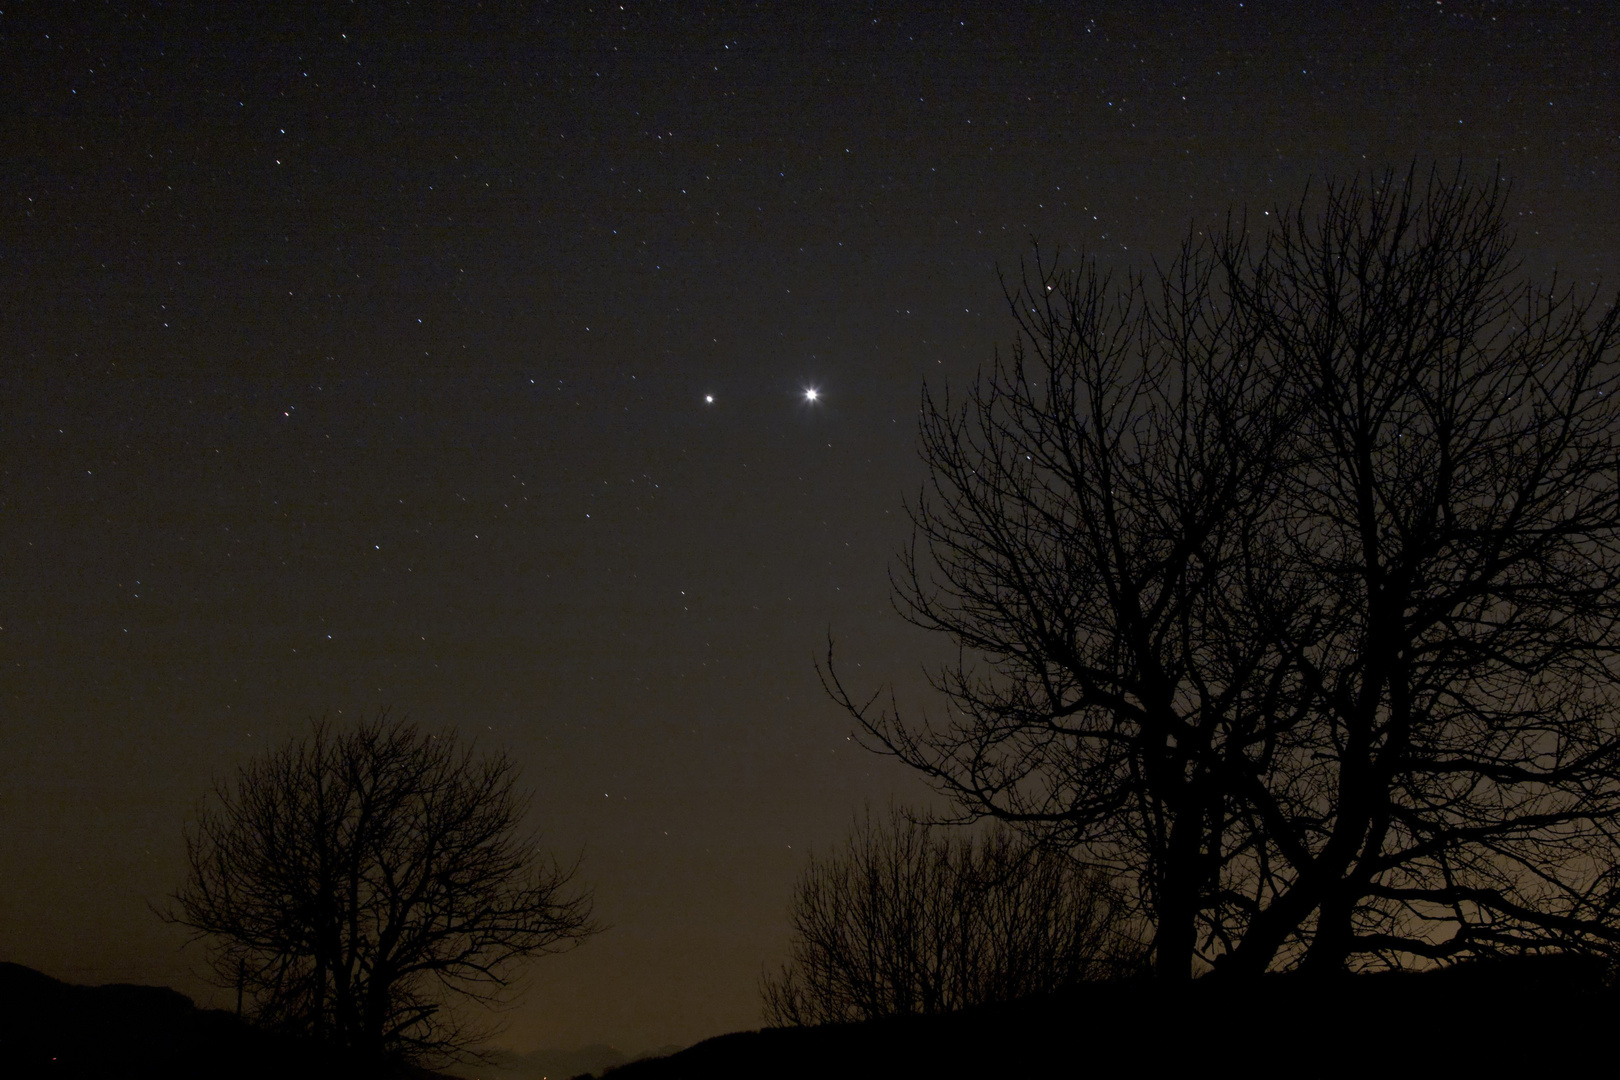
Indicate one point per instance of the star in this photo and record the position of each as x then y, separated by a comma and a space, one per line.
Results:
708, 399
811, 394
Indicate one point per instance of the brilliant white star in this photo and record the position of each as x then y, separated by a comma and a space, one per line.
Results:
811, 393
708, 399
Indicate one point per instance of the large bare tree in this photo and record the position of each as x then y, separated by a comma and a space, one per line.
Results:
1452, 523
1085, 539
1283, 582
353, 884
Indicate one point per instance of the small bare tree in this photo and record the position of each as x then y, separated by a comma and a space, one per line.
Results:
353, 884
908, 918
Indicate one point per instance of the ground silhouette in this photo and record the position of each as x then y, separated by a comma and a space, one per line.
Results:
1496, 1015
1499, 1016
50, 1028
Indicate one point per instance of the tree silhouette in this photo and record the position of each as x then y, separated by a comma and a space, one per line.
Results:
354, 884
907, 919
1451, 523
1084, 538
1284, 581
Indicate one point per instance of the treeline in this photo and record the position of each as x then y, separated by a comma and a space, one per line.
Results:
909, 918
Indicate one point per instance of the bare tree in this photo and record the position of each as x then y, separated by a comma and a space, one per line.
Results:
1288, 585
1086, 539
354, 884
908, 919
1452, 524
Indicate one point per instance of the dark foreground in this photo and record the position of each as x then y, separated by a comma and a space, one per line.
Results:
1552, 1014
55, 1029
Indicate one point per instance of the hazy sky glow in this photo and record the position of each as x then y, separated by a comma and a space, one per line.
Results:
552, 371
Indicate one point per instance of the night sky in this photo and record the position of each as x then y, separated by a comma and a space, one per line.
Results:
359, 355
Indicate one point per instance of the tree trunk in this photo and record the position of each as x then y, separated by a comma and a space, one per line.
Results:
1176, 938
1173, 942
1330, 948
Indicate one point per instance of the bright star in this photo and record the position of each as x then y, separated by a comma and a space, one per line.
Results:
708, 399
811, 393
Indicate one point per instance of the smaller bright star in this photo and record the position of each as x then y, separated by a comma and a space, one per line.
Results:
708, 399
812, 394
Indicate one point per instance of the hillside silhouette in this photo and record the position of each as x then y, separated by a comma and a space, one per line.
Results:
1547, 1009
50, 1028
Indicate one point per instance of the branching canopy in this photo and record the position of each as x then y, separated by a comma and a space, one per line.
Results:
1285, 581
354, 883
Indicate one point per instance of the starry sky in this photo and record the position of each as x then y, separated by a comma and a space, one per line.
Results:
361, 355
